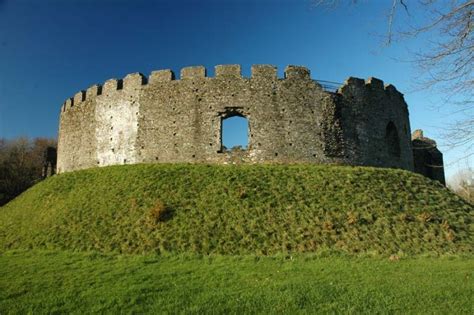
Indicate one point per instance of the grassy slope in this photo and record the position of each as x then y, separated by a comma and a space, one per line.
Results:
64, 282
239, 210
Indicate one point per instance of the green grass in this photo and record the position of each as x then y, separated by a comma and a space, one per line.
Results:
83, 283
236, 239
239, 210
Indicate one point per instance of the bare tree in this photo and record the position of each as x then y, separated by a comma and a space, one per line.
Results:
446, 63
21, 164
462, 183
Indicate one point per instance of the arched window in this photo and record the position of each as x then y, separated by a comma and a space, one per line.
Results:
392, 140
235, 132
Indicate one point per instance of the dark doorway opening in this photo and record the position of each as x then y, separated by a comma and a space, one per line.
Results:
392, 140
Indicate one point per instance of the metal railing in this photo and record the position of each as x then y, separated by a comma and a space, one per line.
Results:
329, 85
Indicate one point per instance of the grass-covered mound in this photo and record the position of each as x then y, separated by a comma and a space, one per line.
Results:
239, 210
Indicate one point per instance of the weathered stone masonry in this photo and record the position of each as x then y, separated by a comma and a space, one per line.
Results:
291, 120
428, 160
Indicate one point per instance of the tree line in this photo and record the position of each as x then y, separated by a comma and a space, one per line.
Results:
23, 163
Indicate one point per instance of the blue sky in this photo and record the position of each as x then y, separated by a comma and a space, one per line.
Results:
51, 49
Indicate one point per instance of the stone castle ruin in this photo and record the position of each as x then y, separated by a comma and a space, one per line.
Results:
290, 120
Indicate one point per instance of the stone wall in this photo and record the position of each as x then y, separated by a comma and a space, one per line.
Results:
291, 120
375, 124
428, 160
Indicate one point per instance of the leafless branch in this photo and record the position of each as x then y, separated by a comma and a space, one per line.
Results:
446, 63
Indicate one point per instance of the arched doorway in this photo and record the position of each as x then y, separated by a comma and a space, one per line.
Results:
392, 140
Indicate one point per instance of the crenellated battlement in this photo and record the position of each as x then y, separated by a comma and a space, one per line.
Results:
79, 97
228, 72
134, 80
297, 73
265, 72
291, 119
198, 72
359, 86
137, 80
